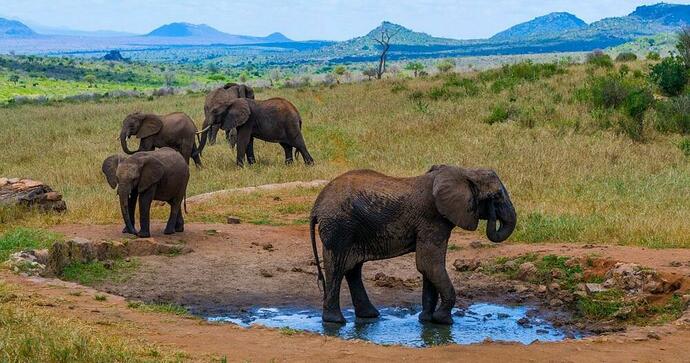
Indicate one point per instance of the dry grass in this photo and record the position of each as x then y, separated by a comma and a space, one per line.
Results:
569, 180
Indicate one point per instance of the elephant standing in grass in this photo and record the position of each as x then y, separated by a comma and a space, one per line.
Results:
364, 216
160, 175
226, 93
273, 120
175, 130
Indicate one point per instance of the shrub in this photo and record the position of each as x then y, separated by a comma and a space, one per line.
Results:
501, 113
599, 59
653, 56
683, 46
509, 76
670, 76
608, 91
445, 65
626, 57
673, 115
469, 86
684, 146
632, 127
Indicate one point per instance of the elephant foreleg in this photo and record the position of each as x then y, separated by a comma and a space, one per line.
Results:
145, 200
431, 262
334, 277
243, 139
250, 151
179, 225
429, 300
174, 216
288, 153
363, 306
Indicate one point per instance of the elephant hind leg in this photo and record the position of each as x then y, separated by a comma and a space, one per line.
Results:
429, 300
288, 153
334, 272
363, 306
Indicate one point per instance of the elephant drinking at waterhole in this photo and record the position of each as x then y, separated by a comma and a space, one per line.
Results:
364, 216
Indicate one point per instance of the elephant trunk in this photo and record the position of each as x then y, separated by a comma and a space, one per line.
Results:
504, 212
124, 193
204, 136
123, 141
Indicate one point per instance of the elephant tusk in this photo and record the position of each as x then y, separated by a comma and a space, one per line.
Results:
204, 130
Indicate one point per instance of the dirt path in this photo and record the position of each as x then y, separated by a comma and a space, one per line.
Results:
225, 273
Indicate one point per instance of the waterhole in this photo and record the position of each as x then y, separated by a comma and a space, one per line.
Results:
400, 326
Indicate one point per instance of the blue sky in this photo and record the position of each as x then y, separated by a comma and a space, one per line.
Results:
304, 19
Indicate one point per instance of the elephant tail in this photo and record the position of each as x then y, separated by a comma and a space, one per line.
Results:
184, 203
312, 233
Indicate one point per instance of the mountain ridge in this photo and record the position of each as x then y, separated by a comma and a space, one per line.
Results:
543, 27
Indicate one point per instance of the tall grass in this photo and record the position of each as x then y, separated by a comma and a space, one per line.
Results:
585, 184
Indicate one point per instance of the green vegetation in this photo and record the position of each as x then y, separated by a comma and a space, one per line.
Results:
95, 272
510, 76
670, 76
653, 56
21, 238
163, 308
29, 332
100, 297
626, 57
599, 59
287, 331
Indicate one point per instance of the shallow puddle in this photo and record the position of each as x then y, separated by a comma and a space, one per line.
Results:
400, 326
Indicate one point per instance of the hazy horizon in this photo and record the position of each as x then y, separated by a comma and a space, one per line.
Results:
304, 20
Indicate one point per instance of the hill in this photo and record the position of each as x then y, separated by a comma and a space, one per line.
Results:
543, 27
186, 30
182, 33
13, 28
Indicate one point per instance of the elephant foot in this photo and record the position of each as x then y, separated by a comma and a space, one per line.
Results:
251, 161
442, 317
169, 231
143, 234
179, 229
289, 161
309, 162
426, 316
367, 313
333, 317
127, 231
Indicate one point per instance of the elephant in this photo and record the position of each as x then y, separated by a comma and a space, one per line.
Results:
160, 175
364, 215
272, 120
229, 91
175, 130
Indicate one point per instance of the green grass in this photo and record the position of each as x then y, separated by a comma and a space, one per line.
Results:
95, 272
32, 333
287, 331
21, 238
570, 181
100, 297
164, 308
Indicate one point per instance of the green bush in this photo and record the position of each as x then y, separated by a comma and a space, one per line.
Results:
501, 113
626, 57
608, 91
509, 76
653, 56
684, 146
673, 115
637, 102
670, 76
599, 59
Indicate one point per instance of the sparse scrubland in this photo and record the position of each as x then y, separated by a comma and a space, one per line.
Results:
589, 153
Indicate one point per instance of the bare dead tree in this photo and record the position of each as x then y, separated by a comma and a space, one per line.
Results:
383, 38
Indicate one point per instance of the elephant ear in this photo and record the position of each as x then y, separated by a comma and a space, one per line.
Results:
150, 125
109, 168
237, 114
152, 170
454, 196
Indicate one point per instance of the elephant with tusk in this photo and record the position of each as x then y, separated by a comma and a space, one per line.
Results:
364, 216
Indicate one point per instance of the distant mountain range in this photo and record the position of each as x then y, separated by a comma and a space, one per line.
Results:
555, 32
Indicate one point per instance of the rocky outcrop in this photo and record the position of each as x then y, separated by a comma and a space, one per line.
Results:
30, 193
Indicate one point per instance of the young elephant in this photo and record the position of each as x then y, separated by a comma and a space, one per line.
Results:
272, 120
150, 175
228, 92
175, 130
364, 215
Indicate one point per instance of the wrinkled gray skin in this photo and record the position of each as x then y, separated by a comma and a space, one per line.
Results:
226, 93
273, 120
160, 175
175, 130
364, 216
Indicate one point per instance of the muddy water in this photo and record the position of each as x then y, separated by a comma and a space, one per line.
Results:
400, 326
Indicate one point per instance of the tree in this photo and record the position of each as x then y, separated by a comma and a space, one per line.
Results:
244, 76
169, 78
683, 45
370, 72
339, 71
415, 67
383, 38
14, 78
90, 79
275, 75
445, 65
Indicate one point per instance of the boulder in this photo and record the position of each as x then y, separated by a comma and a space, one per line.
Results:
30, 193
526, 271
464, 265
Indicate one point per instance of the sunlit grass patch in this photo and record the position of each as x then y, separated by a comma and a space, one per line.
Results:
95, 272
165, 308
19, 239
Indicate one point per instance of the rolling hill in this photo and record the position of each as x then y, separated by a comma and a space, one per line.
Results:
203, 32
13, 28
543, 27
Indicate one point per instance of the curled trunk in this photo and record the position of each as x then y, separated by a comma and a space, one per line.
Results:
504, 213
123, 142
124, 208
204, 136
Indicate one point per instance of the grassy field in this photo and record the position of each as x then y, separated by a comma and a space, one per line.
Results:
571, 179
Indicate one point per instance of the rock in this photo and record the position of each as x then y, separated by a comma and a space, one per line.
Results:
3, 182
24, 263
13, 180
30, 193
653, 335
233, 220
542, 289
267, 247
554, 286
592, 288
476, 244
109, 264
526, 271
623, 313
676, 264
524, 322
502, 315
510, 265
464, 265
556, 274
554, 303
277, 199
686, 300
265, 273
